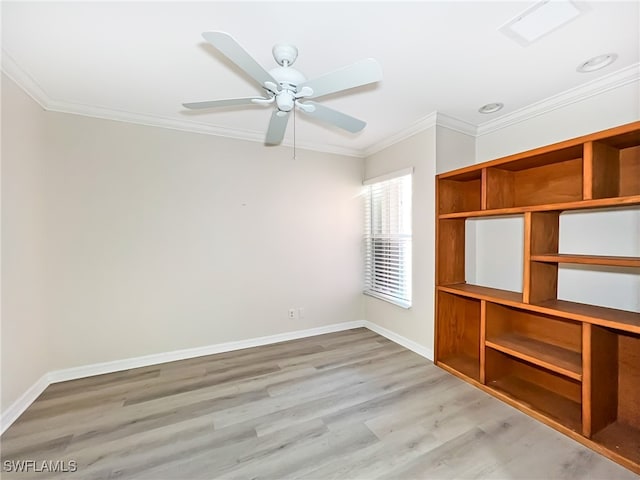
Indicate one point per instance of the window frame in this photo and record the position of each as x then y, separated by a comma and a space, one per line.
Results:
404, 241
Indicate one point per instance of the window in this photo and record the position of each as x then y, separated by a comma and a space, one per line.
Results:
388, 237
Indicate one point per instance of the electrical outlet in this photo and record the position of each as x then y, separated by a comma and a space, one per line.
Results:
292, 313
301, 312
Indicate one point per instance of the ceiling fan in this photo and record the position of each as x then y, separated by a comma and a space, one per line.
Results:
286, 88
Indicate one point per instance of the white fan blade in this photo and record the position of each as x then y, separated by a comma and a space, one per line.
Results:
335, 117
229, 102
228, 46
360, 73
277, 127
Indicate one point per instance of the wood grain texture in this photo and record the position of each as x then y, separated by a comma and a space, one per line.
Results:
500, 188
602, 393
459, 196
450, 252
631, 199
459, 332
630, 170
605, 171
623, 136
611, 261
607, 317
343, 405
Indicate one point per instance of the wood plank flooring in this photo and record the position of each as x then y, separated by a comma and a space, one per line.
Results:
344, 405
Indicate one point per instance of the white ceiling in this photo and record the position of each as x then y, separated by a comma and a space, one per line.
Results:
141, 61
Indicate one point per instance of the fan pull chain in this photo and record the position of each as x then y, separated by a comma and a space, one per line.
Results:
294, 132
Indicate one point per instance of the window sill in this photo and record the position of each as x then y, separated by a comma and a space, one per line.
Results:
386, 298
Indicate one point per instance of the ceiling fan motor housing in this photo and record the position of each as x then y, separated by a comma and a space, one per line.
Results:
288, 78
284, 53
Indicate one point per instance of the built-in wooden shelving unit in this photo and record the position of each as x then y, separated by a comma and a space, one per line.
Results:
574, 366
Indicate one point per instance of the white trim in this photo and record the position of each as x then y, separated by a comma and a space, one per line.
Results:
582, 92
26, 399
24, 80
388, 298
389, 176
147, 360
456, 124
31, 87
416, 127
400, 340
17, 408
590, 89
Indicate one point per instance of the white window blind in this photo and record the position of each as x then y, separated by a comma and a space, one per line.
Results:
388, 238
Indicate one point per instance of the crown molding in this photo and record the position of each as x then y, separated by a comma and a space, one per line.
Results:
433, 119
416, 127
187, 126
456, 124
11, 69
603, 84
31, 87
593, 88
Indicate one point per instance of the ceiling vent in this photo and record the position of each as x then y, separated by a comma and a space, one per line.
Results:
540, 19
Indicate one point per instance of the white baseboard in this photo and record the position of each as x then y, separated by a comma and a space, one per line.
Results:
147, 360
400, 340
21, 404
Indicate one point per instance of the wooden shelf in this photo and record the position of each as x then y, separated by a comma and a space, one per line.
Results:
573, 366
483, 293
551, 357
587, 259
464, 364
544, 401
621, 439
604, 316
577, 205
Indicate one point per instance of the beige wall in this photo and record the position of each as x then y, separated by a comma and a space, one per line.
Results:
25, 329
159, 240
416, 323
608, 109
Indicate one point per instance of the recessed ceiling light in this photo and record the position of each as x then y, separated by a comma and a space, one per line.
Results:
491, 107
596, 63
540, 19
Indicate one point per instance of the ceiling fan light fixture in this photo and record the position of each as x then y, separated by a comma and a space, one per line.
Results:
491, 107
597, 63
284, 86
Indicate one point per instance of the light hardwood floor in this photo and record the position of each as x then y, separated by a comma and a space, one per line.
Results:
344, 405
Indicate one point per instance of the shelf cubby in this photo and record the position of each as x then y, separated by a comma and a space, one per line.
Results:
460, 193
450, 260
517, 183
614, 391
550, 342
459, 338
612, 167
546, 392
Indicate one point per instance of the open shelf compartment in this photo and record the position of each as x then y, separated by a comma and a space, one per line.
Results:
615, 166
614, 392
459, 334
550, 342
460, 193
517, 183
553, 395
